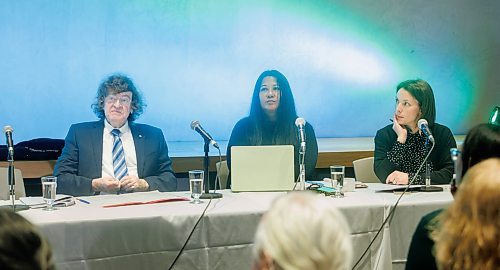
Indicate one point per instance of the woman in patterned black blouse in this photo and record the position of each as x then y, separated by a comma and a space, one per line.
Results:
401, 147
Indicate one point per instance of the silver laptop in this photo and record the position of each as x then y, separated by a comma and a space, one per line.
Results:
262, 168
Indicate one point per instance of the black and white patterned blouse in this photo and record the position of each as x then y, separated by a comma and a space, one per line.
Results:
409, 155
390, 156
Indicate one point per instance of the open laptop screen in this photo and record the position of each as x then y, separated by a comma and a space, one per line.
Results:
262, 168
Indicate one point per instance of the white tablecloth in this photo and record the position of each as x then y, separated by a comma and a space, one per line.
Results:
88, 236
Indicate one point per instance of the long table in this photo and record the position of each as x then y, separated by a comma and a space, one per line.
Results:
88, 236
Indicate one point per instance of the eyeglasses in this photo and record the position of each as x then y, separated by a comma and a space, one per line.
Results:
123, 100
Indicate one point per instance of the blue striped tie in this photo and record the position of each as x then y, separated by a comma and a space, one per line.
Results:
119, 164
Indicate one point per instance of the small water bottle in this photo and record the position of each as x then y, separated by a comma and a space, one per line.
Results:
427, 174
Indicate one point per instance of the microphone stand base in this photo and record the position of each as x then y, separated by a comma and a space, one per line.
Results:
207, 196
431, 189
16, 208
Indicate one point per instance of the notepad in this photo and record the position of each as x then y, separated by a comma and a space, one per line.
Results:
262, 168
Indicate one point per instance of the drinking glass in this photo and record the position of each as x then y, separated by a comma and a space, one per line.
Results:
196, 185
49, 185
337, 176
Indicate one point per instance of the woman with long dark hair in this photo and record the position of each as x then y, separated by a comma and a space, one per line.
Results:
272, 121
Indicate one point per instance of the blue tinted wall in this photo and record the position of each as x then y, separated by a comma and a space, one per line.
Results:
198, 60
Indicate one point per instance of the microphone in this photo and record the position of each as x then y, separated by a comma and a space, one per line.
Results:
195, 125
424, 126
300, 123
8, 135
456, 157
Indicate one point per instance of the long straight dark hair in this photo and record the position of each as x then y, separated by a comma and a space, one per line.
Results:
285, 131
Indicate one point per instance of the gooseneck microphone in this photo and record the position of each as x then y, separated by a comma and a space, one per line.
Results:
8, 136
195, 125
424, 126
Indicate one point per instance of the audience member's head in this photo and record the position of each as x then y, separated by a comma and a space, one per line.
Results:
303, 230
469, 237
21, 245
482, 142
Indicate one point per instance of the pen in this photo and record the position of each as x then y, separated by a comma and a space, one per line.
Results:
83, 201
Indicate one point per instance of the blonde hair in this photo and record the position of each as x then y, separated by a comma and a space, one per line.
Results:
469, 237
304, 230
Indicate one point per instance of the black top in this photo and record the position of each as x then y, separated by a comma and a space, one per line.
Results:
241, 134
421, 252
391, 155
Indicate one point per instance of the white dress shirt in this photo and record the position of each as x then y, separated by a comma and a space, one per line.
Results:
128, 148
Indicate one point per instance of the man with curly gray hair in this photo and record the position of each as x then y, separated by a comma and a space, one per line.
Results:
115, 154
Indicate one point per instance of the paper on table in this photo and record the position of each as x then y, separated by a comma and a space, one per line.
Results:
31, 201
379, 187
38, 202
176, 199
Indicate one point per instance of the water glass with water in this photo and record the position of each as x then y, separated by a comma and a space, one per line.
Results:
196, 185
337, 174
49, 186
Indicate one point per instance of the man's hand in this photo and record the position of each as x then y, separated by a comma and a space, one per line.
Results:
106, 184
131, 183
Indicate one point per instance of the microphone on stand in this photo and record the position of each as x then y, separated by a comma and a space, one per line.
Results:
195, 125
11, 175
10, 144
300, 123
424, 127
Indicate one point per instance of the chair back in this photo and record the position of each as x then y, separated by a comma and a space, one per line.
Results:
363, 170
4, 184
222, 174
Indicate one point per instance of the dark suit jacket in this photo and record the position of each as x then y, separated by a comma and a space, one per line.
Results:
81, 158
